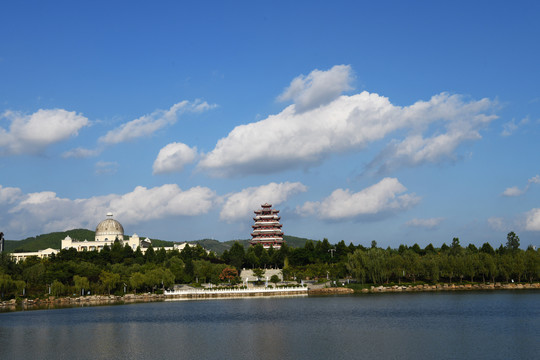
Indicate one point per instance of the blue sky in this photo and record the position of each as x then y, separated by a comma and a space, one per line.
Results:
400, 122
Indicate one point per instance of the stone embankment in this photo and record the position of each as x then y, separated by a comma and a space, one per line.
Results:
450, 287
331, 291
52, 301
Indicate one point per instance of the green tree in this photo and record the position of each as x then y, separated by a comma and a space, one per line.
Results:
412, 264
429, 249
518, 264
20, 285
455, 249
159, 276
6, 285
275, 279
109, 280
176, 266
264, 259
259, 273
504, 264
487, 249
57, 288
81, 283
356, 265
202, 269
34, 274
150, 255
251, 258
236, 255
136, 281
512, 241
430, 267
532, 264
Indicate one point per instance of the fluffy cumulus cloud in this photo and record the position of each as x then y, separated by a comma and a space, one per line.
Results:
532, 222
240, 205
30, 134
515, 191
46, 212
321, 123
376, 200
318, 88
148, 124
9, 195
174, 157
430, 223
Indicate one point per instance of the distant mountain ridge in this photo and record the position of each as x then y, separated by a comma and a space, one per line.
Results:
54, 240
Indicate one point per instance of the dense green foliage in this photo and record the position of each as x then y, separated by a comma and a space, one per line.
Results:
119, 269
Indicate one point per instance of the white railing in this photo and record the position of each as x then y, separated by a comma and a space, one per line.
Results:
236, 291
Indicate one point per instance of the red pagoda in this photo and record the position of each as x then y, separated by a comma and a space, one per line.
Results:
267, 229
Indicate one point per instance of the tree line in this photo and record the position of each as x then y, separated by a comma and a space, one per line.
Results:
119, 269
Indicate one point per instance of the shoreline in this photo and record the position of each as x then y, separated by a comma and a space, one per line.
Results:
53, 302
449, 287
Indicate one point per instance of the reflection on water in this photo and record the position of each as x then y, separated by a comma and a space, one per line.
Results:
500, 325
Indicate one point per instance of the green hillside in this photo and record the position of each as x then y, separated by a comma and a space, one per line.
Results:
51, 240
54, 240
219, 247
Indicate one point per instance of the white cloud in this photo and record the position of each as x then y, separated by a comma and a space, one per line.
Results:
147, 204
534, 180
9, 195
148, 124
30, 134
318, 88
46, 212
106, 167
533, 220
79, 153
515, 191
377, 199
174, 157
346, 123
510, 127
460, 122
498, 224
240, 205
425, 223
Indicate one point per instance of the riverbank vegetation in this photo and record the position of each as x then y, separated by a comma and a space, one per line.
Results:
118, 270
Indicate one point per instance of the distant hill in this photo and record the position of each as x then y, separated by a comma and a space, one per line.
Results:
51, 240
54, 240
219, 247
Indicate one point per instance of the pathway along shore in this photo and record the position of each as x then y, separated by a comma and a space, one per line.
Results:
52, 302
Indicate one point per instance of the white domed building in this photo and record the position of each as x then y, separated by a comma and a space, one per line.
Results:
107, 232
109, 229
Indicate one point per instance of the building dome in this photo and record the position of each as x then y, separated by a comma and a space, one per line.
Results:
109, 229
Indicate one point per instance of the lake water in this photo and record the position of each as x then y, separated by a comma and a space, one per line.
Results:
457, 325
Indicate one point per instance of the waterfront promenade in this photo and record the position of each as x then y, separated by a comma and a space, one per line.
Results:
205, 293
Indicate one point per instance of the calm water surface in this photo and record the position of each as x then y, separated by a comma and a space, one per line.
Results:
472, 325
